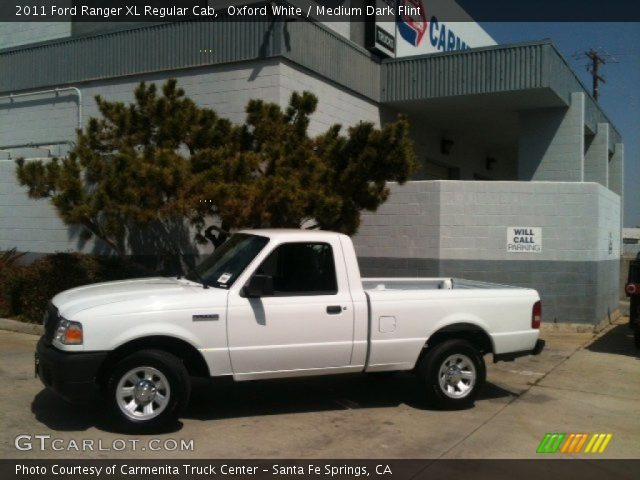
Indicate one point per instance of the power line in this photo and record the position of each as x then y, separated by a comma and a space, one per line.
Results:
595, 60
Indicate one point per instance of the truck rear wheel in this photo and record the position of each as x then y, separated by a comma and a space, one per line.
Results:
454, 372
148, 389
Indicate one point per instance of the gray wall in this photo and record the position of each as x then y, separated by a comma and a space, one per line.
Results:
33, 226
596, 156
13, 34
459, 229
551, 143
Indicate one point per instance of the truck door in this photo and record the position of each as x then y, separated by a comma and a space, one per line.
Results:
307, 323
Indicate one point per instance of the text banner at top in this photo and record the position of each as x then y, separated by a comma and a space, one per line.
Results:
319, 10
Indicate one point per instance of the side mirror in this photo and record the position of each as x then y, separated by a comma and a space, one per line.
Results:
258, 286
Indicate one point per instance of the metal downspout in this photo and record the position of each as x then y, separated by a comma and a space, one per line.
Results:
57, 91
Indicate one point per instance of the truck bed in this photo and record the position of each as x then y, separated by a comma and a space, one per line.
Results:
444, 283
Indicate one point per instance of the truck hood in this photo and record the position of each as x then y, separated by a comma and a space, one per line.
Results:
137, 294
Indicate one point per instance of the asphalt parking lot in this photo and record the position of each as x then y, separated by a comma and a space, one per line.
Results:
581, 383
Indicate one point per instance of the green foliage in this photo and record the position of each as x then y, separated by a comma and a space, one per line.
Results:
9, 258
357, 169
164, 158
25, 290
8, 263
273, 174
128, 167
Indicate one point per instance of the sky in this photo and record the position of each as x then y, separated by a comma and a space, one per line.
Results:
619, 96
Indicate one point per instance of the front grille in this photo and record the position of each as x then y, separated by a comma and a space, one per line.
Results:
50, 323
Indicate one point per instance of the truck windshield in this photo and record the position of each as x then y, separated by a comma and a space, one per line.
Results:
228, 261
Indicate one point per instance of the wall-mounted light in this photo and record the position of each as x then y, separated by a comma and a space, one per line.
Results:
446, 144
488, 163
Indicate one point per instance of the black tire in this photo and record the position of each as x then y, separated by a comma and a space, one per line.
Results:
636, 337
175, 395
428, 373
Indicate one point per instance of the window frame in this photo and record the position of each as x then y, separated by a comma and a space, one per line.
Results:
310, 293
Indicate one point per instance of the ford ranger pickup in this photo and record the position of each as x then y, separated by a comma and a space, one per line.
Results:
277, 303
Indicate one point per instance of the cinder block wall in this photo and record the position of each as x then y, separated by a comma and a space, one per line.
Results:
596, 157
459, 229
551, 143
33, 226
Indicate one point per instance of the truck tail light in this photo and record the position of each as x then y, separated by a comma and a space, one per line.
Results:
536, 315
632, 289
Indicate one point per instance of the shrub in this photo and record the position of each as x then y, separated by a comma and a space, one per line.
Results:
9, 258
27, 289
8, 262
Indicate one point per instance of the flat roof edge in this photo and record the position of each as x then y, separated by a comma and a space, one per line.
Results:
497, 68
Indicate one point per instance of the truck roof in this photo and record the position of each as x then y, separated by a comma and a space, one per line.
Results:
290, 233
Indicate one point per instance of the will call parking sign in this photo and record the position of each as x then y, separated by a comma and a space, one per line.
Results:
524, 239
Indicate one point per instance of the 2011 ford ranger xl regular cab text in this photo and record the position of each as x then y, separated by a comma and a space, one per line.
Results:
277, 303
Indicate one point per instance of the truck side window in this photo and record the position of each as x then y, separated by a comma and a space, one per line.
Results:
301, 269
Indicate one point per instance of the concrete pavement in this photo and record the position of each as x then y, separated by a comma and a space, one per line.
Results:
580, 383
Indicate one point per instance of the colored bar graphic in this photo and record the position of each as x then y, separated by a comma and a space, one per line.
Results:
598, 442
581, 443
542, 447
551, 442
606, 441
590, 444
570, 439
573, 442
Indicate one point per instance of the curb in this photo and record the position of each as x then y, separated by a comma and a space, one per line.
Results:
21, 327
566, 327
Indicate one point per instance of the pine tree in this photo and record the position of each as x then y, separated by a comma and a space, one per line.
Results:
163, 159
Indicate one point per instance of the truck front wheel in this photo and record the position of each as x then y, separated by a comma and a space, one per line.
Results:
454, 372
148, 389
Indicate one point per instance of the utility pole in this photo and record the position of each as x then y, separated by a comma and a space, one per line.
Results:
596, 61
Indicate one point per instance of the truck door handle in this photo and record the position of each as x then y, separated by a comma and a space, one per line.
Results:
334, 309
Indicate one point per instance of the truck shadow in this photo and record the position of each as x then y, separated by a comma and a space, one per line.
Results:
617, 341
62, 416
314, 394
223, 400
59, 415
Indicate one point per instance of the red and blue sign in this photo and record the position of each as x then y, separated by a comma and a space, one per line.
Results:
412, 27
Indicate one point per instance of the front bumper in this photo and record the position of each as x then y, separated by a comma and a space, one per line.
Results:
510, 356
72, 375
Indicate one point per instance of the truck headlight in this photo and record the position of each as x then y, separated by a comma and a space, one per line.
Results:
69, 333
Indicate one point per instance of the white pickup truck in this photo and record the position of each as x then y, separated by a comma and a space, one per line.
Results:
277, 303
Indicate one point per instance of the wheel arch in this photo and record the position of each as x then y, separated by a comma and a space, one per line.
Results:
192, 358
471, 332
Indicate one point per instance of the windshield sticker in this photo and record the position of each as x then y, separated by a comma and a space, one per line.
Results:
225, 277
